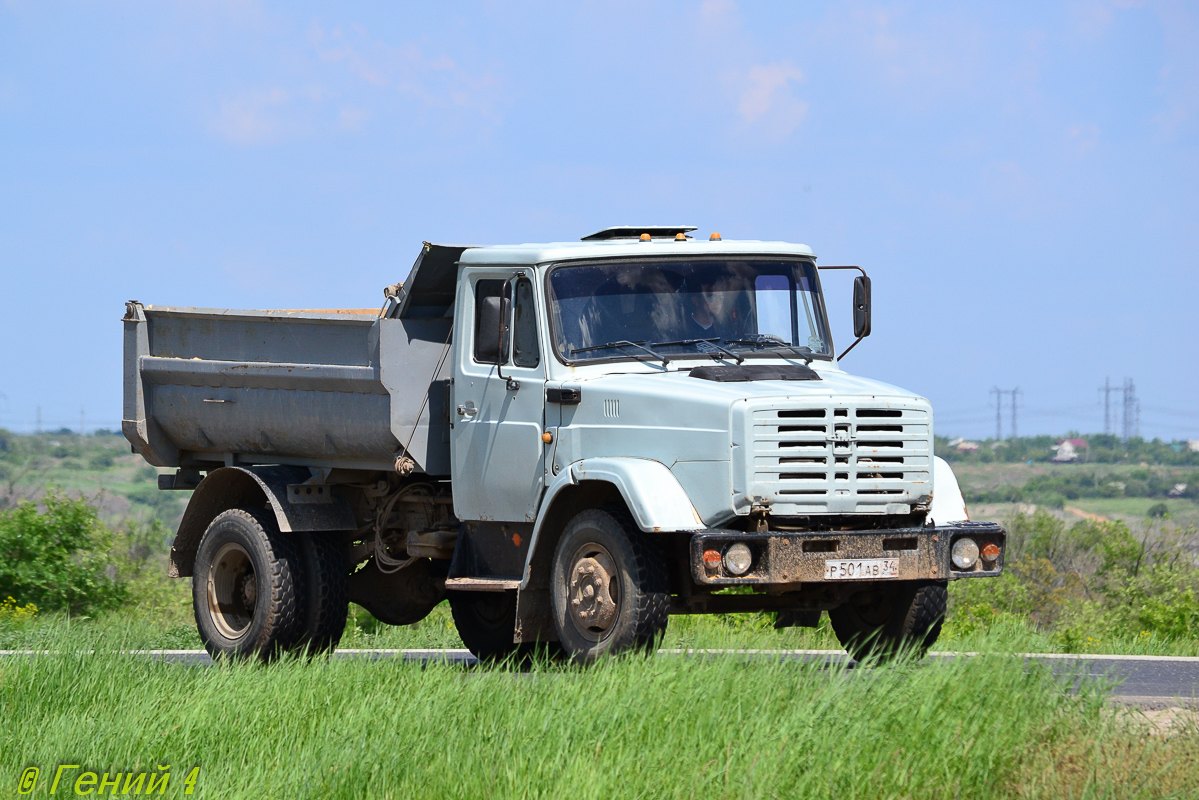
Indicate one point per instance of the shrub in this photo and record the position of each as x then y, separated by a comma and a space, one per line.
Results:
12, 614
1158, 510
58, 558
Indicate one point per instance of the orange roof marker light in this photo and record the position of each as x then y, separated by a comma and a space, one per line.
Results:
714, 237
645, 237
680, 237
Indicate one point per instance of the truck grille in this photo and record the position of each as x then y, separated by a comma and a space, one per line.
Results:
844, 459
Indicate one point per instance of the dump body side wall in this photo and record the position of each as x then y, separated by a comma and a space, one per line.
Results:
207, 386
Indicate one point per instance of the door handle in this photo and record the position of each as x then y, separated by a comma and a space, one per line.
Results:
467, 411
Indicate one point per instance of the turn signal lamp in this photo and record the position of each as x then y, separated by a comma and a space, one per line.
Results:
990, 553
680, 237
645, 237
712, 560
964, 553
714, 237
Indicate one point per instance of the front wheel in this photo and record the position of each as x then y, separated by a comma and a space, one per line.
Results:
884, 620
609, 588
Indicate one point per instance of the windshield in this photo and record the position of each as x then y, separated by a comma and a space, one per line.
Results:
675, 309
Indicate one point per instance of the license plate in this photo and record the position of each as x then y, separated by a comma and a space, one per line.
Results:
864, 569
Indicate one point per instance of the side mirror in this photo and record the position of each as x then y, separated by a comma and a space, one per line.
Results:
491, 337
861, 306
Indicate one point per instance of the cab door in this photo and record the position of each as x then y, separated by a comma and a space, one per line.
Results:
498, 398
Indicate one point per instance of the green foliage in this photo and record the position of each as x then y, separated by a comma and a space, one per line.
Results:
1055, 489
1159, 510
1087, 584
13, 615
1101, 449
58, 558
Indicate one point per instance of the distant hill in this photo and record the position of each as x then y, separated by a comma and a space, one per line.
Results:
99, 467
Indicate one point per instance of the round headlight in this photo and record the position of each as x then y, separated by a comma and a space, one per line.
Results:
965, 553
737, 559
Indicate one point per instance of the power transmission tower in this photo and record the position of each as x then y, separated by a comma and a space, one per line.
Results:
1109, 426
1132, 410
1015, 393
999, 393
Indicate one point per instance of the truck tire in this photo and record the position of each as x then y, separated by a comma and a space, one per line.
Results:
486, 623
608, 586
246, 590
891, 618
326, 590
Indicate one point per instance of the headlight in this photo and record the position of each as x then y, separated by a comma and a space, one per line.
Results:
737, 559
965, 553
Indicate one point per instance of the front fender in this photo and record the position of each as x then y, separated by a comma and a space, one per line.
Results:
948, 506
653, 494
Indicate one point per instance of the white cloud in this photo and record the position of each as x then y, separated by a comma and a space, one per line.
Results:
253, 117
433, 80
766, 92
1083, 138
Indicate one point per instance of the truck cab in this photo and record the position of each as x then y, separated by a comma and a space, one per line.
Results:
583, 438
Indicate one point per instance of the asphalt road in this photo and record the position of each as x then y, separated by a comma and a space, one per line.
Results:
1142, 680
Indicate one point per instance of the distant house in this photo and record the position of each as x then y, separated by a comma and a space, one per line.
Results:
1067, 450
1178, 491
1193, 445
963, 446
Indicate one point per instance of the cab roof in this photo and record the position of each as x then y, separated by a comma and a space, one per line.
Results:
429, 290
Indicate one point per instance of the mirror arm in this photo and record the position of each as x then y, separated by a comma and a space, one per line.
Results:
860, 338
511, 383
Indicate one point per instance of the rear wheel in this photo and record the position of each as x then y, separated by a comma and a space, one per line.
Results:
326, 590
608, 588
246, 587
887, 619
486, 623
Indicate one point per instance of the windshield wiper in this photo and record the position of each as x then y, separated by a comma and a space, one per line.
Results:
715, 342
776, 343
622, 343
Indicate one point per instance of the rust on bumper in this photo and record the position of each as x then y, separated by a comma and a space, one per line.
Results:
785, 557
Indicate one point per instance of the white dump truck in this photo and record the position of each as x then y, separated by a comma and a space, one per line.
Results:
569, 441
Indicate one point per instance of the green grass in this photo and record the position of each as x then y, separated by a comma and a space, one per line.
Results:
667, 726
176, 631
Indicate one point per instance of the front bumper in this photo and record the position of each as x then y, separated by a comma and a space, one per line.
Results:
785, 557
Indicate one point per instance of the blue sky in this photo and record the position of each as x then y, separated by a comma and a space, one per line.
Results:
1020, 179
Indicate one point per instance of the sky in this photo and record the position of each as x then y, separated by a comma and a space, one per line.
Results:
1019, 179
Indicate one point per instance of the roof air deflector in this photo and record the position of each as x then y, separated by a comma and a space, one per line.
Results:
634, 232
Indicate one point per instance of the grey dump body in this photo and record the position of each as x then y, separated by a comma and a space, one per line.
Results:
327, 389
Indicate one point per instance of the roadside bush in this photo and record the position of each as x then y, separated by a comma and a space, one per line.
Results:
58, 557
13, 615
1086, 583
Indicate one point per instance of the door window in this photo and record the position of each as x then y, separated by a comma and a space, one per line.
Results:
525, 352
491, 321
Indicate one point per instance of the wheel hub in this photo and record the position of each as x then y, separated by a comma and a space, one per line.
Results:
232, 591
593, 592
